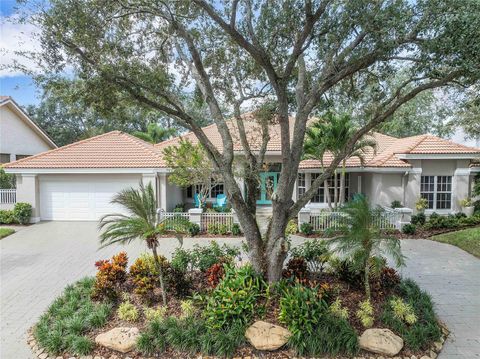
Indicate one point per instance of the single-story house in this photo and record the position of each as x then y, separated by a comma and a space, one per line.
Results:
77, 181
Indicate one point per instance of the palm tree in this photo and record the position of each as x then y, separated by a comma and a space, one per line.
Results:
331, 134
141, 223
155, 133
362, 239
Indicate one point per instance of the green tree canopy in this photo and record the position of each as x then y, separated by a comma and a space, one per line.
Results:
182, 59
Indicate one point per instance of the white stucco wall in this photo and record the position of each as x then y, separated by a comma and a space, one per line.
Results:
174, 196
16, 137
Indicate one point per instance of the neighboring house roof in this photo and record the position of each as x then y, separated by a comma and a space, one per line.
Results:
12, 105
110, 150
120, 150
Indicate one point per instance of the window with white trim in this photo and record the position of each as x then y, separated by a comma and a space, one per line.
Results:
301, 185
437, 190
214, 191
319, 196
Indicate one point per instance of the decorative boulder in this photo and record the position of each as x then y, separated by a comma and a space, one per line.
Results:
381, 341
267, 336
121, 339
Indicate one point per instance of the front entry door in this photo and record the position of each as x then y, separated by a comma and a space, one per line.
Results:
268, 185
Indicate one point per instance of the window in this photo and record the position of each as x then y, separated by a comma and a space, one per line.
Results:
319, 196
215, 191
19, 157
301, 185
4, 157
437, 190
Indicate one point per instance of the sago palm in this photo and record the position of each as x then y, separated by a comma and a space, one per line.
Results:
140, 223
362, 239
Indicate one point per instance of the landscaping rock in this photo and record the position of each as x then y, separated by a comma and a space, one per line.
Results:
381, 341
121, 339
438, 346
267, 336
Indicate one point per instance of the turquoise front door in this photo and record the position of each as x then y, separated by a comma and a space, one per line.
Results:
268, 185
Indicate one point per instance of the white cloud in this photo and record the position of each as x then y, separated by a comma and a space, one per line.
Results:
15, 37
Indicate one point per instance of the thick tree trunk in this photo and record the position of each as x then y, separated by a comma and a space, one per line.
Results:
327, 193
276, 243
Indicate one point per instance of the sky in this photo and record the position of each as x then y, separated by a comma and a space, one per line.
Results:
13, 37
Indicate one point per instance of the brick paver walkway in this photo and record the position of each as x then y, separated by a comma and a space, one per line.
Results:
39, 261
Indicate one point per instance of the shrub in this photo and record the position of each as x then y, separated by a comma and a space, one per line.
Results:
419, 219
296, 268
212, 228
442, 222
315, 252
155, 313
292, 228
389, 278
6, 217
181, 260
22, 212
409, 228
460, 215
222, 229
127, 311
69, 317
236, 231
365, 313
205, 256
179, 283
396, 204
190, 335
301, 309
338, 310
345, 271
306, 228
215, 274
331, 336
426, 330
421, 204
193, 229
188, 309
235, 300
402, 310
145, 275
110, 276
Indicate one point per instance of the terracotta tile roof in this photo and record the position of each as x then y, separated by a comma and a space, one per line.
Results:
252, 130
110, 150
4, 98
120, 150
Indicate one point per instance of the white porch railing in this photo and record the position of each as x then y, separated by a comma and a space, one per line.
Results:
222, 219
204, 220
8, 196
326, 220
387, 218
174, 219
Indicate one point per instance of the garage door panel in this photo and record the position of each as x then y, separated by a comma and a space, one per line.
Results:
81, 197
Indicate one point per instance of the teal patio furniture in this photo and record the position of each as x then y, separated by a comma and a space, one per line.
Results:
221, 202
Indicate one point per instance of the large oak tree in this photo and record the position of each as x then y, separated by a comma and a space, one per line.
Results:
169, 55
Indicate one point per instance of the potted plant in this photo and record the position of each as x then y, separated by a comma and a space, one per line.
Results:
467, 206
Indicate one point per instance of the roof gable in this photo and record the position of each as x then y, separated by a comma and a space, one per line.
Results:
22, 115
110, 150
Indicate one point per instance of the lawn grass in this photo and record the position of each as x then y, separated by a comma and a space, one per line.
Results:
467, 239
4, 232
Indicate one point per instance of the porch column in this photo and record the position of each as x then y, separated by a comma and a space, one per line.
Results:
359, 183
162, 191
460, 187
304, 216
28, 192
412, 189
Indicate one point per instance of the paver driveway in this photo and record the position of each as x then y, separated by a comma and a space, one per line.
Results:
39, 261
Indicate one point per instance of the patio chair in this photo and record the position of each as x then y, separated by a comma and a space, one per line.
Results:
196, 201
221, 202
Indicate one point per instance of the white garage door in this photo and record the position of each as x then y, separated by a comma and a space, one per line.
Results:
82, 197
